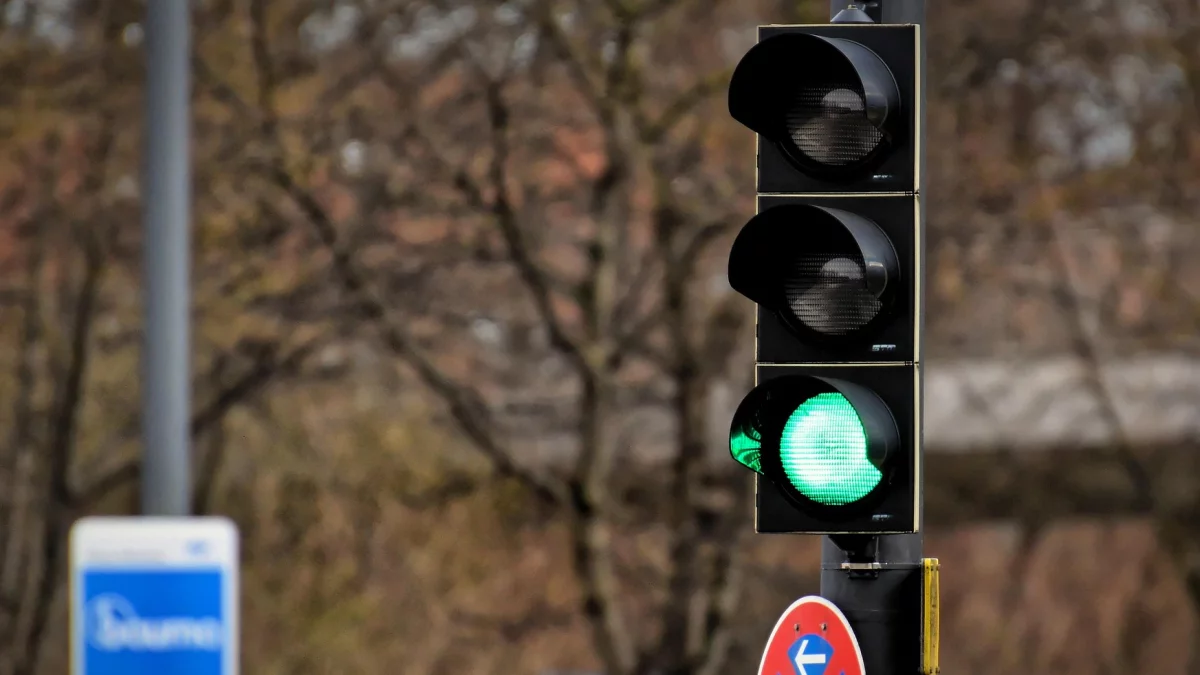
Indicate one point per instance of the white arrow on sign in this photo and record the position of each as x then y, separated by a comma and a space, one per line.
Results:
803, 659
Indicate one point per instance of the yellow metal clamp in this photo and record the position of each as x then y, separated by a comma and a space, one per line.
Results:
930, 618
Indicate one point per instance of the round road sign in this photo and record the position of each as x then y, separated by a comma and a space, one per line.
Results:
812, 638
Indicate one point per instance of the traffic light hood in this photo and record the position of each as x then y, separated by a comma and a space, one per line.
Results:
830, 104
789, 250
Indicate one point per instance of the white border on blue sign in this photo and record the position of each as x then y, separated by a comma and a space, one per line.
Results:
154, 542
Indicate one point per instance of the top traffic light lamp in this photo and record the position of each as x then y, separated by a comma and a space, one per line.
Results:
833, 261
834, 107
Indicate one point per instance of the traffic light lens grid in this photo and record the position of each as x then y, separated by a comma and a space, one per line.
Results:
823, 450
828, 124
828, 292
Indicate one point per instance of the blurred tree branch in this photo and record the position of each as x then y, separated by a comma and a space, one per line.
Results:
1175, 524
614, 91
68, 372
610, 323
20, 502
20, 456
63, 423
265, 370
501, 209
466, 408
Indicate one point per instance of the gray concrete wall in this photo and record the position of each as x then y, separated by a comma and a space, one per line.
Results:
971, 405
1047, 403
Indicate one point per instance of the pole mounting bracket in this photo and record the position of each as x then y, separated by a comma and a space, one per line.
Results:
877, 11
856, 11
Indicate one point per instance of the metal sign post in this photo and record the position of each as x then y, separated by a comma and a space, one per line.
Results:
166, 352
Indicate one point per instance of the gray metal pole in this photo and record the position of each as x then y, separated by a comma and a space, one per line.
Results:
166, 362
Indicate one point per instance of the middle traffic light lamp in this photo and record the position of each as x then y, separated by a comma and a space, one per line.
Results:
828, 274
832, 277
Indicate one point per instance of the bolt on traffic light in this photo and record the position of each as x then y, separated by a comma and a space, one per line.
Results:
832, 259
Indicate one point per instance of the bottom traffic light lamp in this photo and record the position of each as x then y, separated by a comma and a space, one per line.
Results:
828, 445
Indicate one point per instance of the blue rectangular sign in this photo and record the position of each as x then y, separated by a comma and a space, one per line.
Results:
150, 605
154, 621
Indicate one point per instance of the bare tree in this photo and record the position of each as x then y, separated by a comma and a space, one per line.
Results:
607, 259
69, 233
1081, 173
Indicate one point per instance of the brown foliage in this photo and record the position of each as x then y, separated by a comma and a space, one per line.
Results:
451, 259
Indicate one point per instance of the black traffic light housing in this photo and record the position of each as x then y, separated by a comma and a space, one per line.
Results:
805, 238
883, 398
866, 71
833, 261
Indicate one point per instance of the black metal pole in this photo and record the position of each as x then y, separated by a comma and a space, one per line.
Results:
877, 581
884, 11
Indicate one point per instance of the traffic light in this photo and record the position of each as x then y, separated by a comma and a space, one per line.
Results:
833, 261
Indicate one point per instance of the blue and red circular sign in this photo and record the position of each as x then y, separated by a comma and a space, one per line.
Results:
812, 638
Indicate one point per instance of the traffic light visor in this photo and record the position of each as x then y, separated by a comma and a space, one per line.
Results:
746, 432
827, 273
830, 104
824, 442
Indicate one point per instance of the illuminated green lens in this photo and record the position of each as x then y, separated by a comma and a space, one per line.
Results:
746, 447
824, 451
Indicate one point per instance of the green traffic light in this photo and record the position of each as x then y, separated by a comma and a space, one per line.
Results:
746, 447
824, 451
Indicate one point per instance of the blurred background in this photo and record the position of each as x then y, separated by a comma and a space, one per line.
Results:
465, 354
